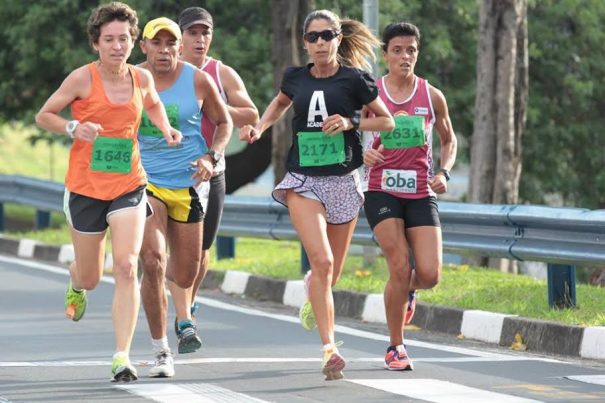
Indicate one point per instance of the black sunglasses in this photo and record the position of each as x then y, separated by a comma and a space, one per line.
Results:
327, 35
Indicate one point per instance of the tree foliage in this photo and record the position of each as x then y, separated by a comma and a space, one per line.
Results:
563, 142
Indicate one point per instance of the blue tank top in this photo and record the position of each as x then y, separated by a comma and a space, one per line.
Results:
170, 167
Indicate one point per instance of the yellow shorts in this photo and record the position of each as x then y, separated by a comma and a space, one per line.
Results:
183, 205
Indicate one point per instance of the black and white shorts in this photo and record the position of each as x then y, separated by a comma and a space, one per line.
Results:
89, 215
341, 195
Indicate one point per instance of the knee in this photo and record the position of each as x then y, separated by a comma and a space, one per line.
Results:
323, 269
183, 281
322, 265
88, 282
154, 263
152, 260
428, 278
85, 279
125, 268
399, 276
184, 274
396, 255
399, 267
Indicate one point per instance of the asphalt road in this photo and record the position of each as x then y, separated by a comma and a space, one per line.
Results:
252, 351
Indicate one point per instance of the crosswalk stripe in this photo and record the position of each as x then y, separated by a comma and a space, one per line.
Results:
190, 393
433, 390
264, 360
594, 379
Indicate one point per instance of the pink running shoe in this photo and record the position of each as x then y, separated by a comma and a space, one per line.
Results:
397, 359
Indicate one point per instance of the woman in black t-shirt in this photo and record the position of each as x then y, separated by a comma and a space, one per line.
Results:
322, 188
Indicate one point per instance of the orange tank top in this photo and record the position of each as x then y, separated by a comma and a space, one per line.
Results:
111, 166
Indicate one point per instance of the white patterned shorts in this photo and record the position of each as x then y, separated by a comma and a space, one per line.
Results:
341, 195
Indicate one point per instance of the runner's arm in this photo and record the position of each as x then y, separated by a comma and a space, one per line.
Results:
447, 137
76, 85
382, 121
241, 108
280, 104
214, 107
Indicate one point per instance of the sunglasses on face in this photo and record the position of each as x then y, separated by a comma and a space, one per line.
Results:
327, 35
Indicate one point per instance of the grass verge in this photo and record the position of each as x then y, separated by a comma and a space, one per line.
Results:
461, 286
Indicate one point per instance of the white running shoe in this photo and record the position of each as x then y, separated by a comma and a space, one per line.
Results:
163, 366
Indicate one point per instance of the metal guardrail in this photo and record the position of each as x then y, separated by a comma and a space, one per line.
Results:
559, 236
517, 232
38, 193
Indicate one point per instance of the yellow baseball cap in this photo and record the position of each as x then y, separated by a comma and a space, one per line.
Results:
162, 23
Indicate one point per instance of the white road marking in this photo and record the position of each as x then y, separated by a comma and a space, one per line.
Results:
374, 336
433, 390
594, 379
253, 360
349, 360
190, 393
292, 319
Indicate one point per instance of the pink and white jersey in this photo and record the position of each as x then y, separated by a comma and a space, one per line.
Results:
406, 171
212, 67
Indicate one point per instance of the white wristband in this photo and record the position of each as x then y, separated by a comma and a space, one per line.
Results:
70, 128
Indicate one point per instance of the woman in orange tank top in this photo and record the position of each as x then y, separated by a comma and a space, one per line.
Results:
105, 183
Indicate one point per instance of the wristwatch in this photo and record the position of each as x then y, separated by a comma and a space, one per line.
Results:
355, 120
215, 156
445, 173
70, 127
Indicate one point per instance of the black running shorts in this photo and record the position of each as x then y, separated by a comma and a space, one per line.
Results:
89, 215
414, 212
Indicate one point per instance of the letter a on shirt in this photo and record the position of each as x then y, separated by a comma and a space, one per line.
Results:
317, 107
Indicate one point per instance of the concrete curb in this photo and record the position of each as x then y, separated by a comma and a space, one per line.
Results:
536, 335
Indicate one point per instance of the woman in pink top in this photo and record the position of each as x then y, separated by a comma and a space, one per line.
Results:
400, 202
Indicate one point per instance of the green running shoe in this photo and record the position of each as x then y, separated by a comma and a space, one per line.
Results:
122, 370
75, 303
307, 317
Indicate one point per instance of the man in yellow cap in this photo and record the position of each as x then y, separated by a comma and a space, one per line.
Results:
177, 186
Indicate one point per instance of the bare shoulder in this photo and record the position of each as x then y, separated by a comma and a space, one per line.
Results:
144, 76
80, 76
435, 93
77, 83
437, 98
229, 76
203, 78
